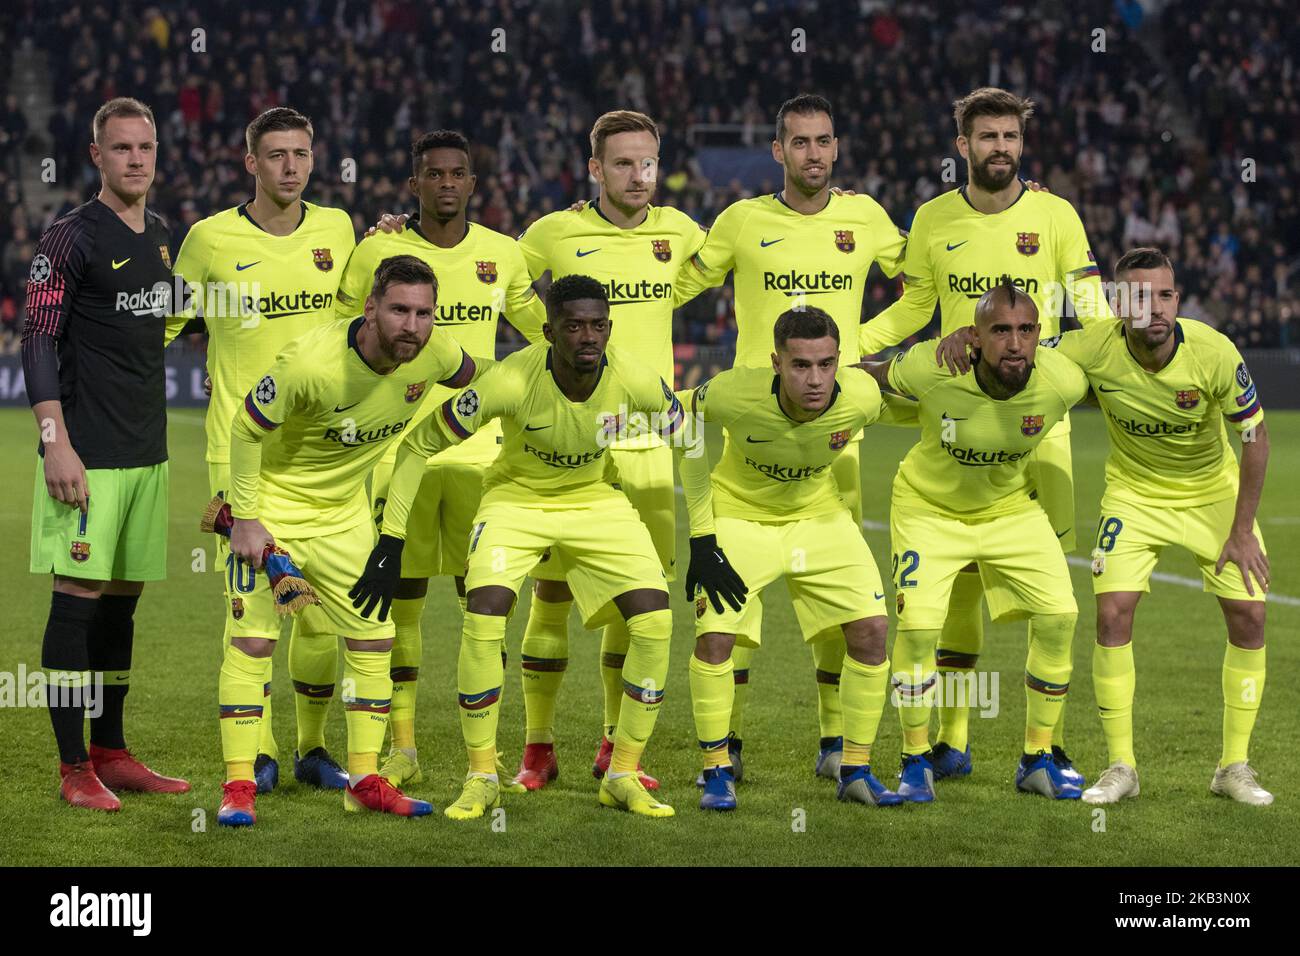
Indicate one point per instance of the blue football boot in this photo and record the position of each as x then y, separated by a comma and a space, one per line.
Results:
1066, 766
719, 789
829, 758
319, 770
734, 746
950, 763
916, 779
266, 771
861, 787
1039, 773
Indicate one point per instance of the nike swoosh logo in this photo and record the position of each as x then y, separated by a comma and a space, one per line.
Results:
1103, 388
758, 441
581, 254
535, 428
1065, 532
879, 596
381, 561
344, 408
947, 417
764, 243
239, 267
118, 265
958, 246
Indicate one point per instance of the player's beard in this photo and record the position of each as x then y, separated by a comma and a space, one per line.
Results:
803, 185
1011, 378
991, 182
399, 349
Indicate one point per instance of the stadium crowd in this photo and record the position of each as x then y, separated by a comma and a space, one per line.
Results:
1111, 133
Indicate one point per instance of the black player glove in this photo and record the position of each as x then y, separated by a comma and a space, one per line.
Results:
711, 571
379, 580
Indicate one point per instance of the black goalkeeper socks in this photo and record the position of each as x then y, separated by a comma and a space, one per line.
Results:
110, 642
65, 650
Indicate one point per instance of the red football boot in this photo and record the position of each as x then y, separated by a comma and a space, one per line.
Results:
237, 799
605, 752
373, 792
82, 788
538, 767
121, 771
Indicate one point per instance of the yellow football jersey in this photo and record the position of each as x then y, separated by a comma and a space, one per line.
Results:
774, 468
970, 461
480, 278
1168, 443
955, 254
782, 258
257, 293
639, 268
553, 456
332, 417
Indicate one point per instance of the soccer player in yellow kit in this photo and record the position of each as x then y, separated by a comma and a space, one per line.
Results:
261, 274
963, 495
335, 398
961, 244
562, 407
481, 275
802, 246
638, 251
772, 503
1166, 385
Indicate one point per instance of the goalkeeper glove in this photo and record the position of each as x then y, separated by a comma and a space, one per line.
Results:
711, 571
379, 580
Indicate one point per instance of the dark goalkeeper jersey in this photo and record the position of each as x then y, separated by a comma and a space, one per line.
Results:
97, 300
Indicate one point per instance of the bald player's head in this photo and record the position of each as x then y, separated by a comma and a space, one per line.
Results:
1006, 326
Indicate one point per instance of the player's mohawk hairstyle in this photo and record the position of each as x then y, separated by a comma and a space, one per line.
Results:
1003, 295
809, 322
990, 101
402, 270
571, 287
278, 119
805, 104
439, 139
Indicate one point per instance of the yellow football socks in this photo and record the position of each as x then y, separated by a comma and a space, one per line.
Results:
408, 649
712, 689
478, 680
1114, 681
862, 691
914, 681
828, 659
1047, 676
959, 650
240, 696
313, 667
544, 658
367, 700
644, 676
1243, 687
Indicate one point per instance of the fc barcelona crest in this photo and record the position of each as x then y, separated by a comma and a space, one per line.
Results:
839, 440
237, 608
661, 249
80, 551
323, 258
901, 602
166, 256
1188, 399
844, 240
486, 272
1026, 243
414, 391
1031, 424
701, 605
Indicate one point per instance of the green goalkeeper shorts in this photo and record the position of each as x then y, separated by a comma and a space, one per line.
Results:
121, 537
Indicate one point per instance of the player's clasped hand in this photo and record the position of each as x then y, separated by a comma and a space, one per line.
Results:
1245, 552
710, 570
65, 476
248, 541
378, 581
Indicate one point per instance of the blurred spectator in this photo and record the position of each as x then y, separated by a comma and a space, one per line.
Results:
524, 80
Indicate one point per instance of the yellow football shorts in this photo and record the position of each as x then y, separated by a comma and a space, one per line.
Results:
331, 564
827, 566
929, 550
645, 476
1130, 538
437, 530
603, 549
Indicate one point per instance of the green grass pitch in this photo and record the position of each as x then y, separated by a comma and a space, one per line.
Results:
786, 815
